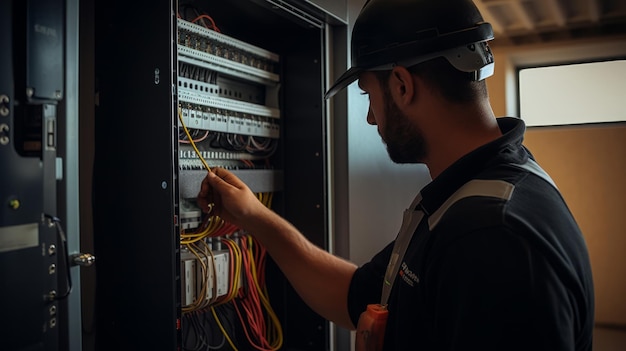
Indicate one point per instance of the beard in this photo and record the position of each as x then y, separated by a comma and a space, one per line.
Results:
405, 141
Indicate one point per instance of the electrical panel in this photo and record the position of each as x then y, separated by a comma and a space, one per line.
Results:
192, 86
33, 254
229, 117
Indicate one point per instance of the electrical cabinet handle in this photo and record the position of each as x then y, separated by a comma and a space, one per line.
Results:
83, 259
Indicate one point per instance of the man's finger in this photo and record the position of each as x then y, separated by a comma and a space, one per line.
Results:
219, 175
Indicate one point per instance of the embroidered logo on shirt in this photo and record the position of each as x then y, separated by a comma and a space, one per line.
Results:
408, 276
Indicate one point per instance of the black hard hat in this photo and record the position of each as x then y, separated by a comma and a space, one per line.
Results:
406, 32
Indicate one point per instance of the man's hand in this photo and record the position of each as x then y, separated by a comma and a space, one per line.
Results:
321, 279
228, 197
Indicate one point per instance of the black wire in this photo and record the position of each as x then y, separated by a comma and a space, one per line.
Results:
211, 137
192, 324
211, 322
201, 341
235, 144
216, 142
200, 329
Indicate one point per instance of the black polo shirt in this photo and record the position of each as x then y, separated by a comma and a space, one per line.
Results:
493, 274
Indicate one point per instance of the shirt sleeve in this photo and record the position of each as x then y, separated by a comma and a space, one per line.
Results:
367, 283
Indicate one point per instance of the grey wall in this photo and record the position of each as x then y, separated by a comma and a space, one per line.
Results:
368, 191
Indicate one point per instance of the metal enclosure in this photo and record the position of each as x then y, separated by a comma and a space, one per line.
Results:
138, 181
32, 251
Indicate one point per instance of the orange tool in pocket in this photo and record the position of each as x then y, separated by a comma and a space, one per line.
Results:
370, 331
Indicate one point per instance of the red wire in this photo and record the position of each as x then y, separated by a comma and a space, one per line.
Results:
247, 301
251, 304
214, 27
226, 228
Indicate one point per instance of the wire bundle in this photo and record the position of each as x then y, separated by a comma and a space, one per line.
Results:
263, 331
254, 145
247, 292
200, 18
246, 289
194, 72
260, 323
196, 135
201, 328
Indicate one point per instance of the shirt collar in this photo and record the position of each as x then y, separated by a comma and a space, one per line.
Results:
506, 149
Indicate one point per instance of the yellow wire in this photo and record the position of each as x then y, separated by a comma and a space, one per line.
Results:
214, 225
236, 260
272, 315
199, 302
214, 271
274, 330
219, 324
191, 241
265, 198
182, 123
269, 202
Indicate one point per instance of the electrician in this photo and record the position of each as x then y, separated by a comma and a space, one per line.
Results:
490, 257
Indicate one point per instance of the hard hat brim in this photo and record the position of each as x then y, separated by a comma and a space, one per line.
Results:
343, 81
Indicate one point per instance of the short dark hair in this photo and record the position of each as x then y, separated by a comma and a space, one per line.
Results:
453, 85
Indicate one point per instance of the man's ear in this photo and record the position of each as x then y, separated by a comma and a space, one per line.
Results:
403, 85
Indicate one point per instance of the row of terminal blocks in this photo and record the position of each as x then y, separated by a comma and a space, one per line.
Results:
210, 275
218, 120
208, 272
198, 38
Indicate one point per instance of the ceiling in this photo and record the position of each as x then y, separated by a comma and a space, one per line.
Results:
517, 22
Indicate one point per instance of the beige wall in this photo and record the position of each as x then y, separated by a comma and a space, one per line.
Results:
588, 163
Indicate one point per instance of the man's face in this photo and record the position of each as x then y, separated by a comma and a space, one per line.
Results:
405, 141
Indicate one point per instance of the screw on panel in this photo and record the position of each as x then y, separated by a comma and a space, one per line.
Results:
14, 204
52, 295
4, 110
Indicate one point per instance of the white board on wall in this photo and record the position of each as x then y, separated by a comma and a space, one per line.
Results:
583, 93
